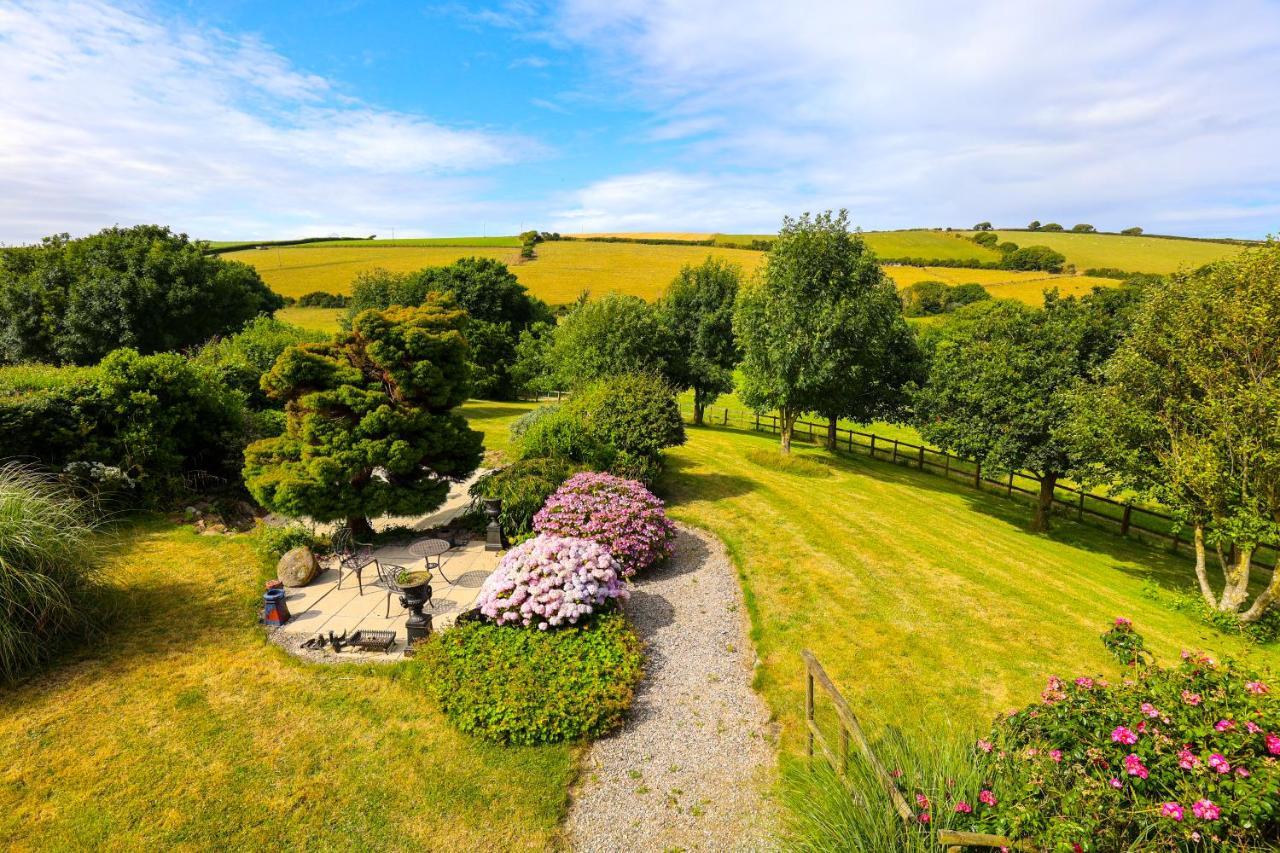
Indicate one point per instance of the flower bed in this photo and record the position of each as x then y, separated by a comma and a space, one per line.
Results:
1168, 758
620, 514
551, 581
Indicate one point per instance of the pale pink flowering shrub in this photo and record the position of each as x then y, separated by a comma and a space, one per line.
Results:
550, 581
621, 515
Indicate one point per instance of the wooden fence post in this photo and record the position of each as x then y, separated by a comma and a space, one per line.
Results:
808, 711
977, 476
757, 426
873, 445
1124, 521
1080, 509
726, 416
922, 457
947, 471
1010, 484
895, 450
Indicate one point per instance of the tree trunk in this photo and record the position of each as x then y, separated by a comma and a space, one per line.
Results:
698, 408
1044, 505
359, 526
786, 422
1202, 572
831, 432
1237, 586
1264, 600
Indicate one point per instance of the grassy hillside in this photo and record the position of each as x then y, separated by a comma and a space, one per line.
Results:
1136, 254
182, 728
564, 269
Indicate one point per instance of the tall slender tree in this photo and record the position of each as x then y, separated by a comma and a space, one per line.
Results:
698, 312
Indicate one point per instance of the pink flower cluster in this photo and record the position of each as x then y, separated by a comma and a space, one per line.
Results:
620, 514
549, 581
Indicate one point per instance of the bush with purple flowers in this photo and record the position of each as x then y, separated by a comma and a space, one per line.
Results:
621, 515
551, 581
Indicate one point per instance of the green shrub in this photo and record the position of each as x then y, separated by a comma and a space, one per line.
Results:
48, 569
241, 359
523, 487
521, 425
562, 435
1035, 258
635, 413
518, 686
272, 542
322, 299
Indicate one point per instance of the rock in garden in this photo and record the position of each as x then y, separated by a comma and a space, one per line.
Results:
298, 567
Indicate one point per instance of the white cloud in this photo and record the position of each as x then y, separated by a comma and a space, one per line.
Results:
915, 113
108, 115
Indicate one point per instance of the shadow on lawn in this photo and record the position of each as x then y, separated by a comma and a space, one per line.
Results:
675, 485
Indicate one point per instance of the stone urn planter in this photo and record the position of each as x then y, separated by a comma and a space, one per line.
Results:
298, 567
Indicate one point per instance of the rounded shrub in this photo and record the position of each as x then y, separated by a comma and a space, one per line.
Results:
523, 487
48, 569
562, 435
636, 413
515, 686
621, 515
551, 581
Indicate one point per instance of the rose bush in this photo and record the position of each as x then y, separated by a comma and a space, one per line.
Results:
1168, 758
551, 581
621, 515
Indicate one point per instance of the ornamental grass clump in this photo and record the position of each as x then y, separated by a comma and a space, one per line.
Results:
620, 514
550, 582
1168, 758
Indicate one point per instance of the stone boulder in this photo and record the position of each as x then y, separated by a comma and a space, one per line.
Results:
298, 567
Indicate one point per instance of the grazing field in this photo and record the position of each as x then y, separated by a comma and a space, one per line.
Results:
320, 319
925, 600
1133, 254
181, 727
564, 269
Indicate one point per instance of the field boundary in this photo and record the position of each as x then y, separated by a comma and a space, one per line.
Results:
1085, 505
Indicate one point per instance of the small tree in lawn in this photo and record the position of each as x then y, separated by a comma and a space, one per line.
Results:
698, 312
371, 428
609, 336
822, 329
1189, 414
999, 376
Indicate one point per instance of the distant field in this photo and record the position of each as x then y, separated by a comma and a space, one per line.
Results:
561, 272
501, 242
320, 319
1003, 284
1137, 254
920, 243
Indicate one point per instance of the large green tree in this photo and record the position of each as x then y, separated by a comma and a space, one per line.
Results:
371, 427
144, 287
1188, 414
698, 312
999, 380
608, 336
822, 330
498, 307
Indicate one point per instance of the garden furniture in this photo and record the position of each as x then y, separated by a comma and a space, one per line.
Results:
431, 550
353, 557
415, 589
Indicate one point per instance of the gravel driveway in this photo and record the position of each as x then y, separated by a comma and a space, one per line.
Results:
691, 767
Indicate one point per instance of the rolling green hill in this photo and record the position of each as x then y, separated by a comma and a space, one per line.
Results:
1135, 254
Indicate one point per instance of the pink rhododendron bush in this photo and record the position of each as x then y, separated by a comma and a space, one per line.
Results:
1167, 758
620, 514
551, 581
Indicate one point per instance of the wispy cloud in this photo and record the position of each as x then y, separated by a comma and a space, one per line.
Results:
111, 115
935, 113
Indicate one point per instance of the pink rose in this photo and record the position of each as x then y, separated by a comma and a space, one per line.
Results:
1190, 698
1219, 762
923, 817
1122, 622
1273, 744
922, 801
1257, 688
1171, 810
1116, 783
1056, 755
1187, 760
1224, 725
1134, 767
1206, 810
1120, 734
1149, 710
963, 808
987, 797
985, 745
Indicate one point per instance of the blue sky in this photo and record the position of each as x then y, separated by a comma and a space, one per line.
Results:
233, 119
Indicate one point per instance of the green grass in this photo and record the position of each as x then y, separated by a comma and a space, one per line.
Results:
925, 600
1134, 254
494, 420
319, 319
915, 243
182, 727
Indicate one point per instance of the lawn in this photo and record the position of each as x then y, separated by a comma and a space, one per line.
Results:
1135, 254
926, 601
182, 727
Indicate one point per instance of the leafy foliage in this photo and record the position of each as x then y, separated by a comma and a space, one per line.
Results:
609, 336
515, 686
637, 415
371, 427
698, 312
523, 487
144, 287
499, 309
243, 358
1035, 258
1188, 413
48, 569
621, 515
926, 298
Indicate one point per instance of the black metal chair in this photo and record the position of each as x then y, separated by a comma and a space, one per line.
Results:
353, 557
387, 574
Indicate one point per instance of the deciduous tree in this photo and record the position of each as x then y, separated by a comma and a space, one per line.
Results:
697, 310
611, 335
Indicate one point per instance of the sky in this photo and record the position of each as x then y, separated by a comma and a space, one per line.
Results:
239, 119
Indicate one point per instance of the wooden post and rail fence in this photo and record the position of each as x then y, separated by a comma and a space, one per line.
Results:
850, 731
1133, 520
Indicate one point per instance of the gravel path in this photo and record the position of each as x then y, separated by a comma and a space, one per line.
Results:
691, 766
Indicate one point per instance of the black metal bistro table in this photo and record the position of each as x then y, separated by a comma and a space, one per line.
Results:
430, 550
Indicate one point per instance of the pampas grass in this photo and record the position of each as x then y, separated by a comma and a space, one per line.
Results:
48, 568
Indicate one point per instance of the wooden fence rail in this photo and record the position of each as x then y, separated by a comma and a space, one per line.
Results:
1133, 520
851, 731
